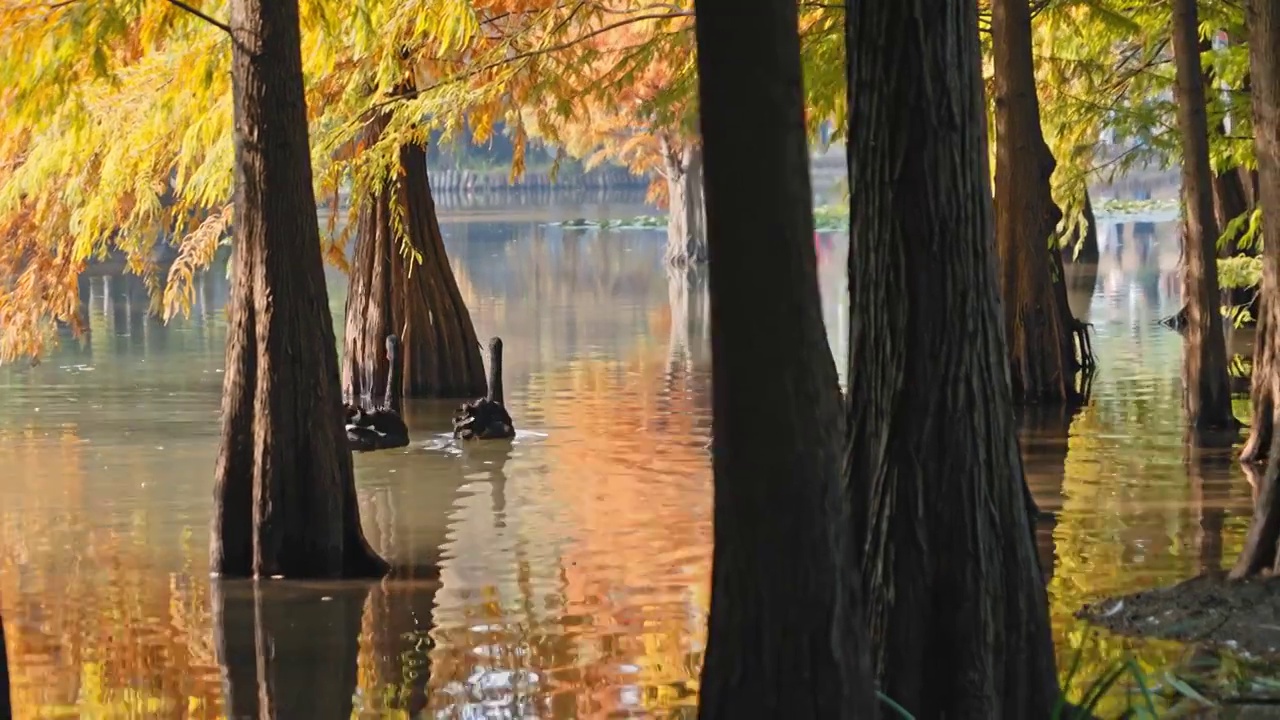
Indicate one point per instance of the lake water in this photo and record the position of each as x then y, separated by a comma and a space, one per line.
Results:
573, 564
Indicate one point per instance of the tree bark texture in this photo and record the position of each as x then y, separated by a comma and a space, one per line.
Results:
285, 499
1037, 320
784, 636
686, 207
421, 303
1208, 399
1260, 551
956, 604
287, 651
6, 709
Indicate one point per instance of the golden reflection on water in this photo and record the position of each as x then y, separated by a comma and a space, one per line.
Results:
562, 575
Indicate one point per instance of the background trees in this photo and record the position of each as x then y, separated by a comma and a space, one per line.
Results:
1038, 322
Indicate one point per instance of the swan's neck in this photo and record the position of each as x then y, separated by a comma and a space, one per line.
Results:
395, 375
495, 376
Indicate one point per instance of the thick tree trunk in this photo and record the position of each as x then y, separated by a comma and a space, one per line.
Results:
419, 302
287, 651
6, 710
285, 499
957, 607
1208, 398
784, 637
1264, 62
1038, 322
686, 205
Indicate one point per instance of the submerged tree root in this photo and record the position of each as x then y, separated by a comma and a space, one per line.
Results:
1242, 616
1085, 359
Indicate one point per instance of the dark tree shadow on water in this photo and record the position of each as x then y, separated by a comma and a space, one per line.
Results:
288, 649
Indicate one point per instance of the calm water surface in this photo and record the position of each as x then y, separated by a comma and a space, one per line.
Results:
573, 564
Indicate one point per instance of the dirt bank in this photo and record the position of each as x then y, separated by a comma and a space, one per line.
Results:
1243, 617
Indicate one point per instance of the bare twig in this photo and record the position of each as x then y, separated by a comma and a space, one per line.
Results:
183, 6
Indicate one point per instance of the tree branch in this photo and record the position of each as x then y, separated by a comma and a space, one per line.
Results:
183, 6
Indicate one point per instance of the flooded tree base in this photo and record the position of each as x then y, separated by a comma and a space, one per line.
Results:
1240, 616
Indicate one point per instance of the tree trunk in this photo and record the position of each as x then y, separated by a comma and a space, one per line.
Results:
6, 711
957, 607
1037, 321
287, 651
1229, 199
285, 499
419, 302
1208, 398
784, 637
1229, 203
686, 225
1264, 63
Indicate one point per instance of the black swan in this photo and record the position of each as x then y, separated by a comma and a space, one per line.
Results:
382, 427
486, 418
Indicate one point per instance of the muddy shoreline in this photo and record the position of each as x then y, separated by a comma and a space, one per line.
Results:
1243, 616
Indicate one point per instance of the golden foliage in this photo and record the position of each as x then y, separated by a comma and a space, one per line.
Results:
117, 130
194, 253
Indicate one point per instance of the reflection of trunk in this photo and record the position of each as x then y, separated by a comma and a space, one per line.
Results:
1208, 399
6, 711
1037, 320
1081, 272
1089, 243
686, 293
401, 622
1045, 432
686, 226
419, 302
957, 605
1264, 34
783, 637
687, 297
285, 499
288, 651
1208, 498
